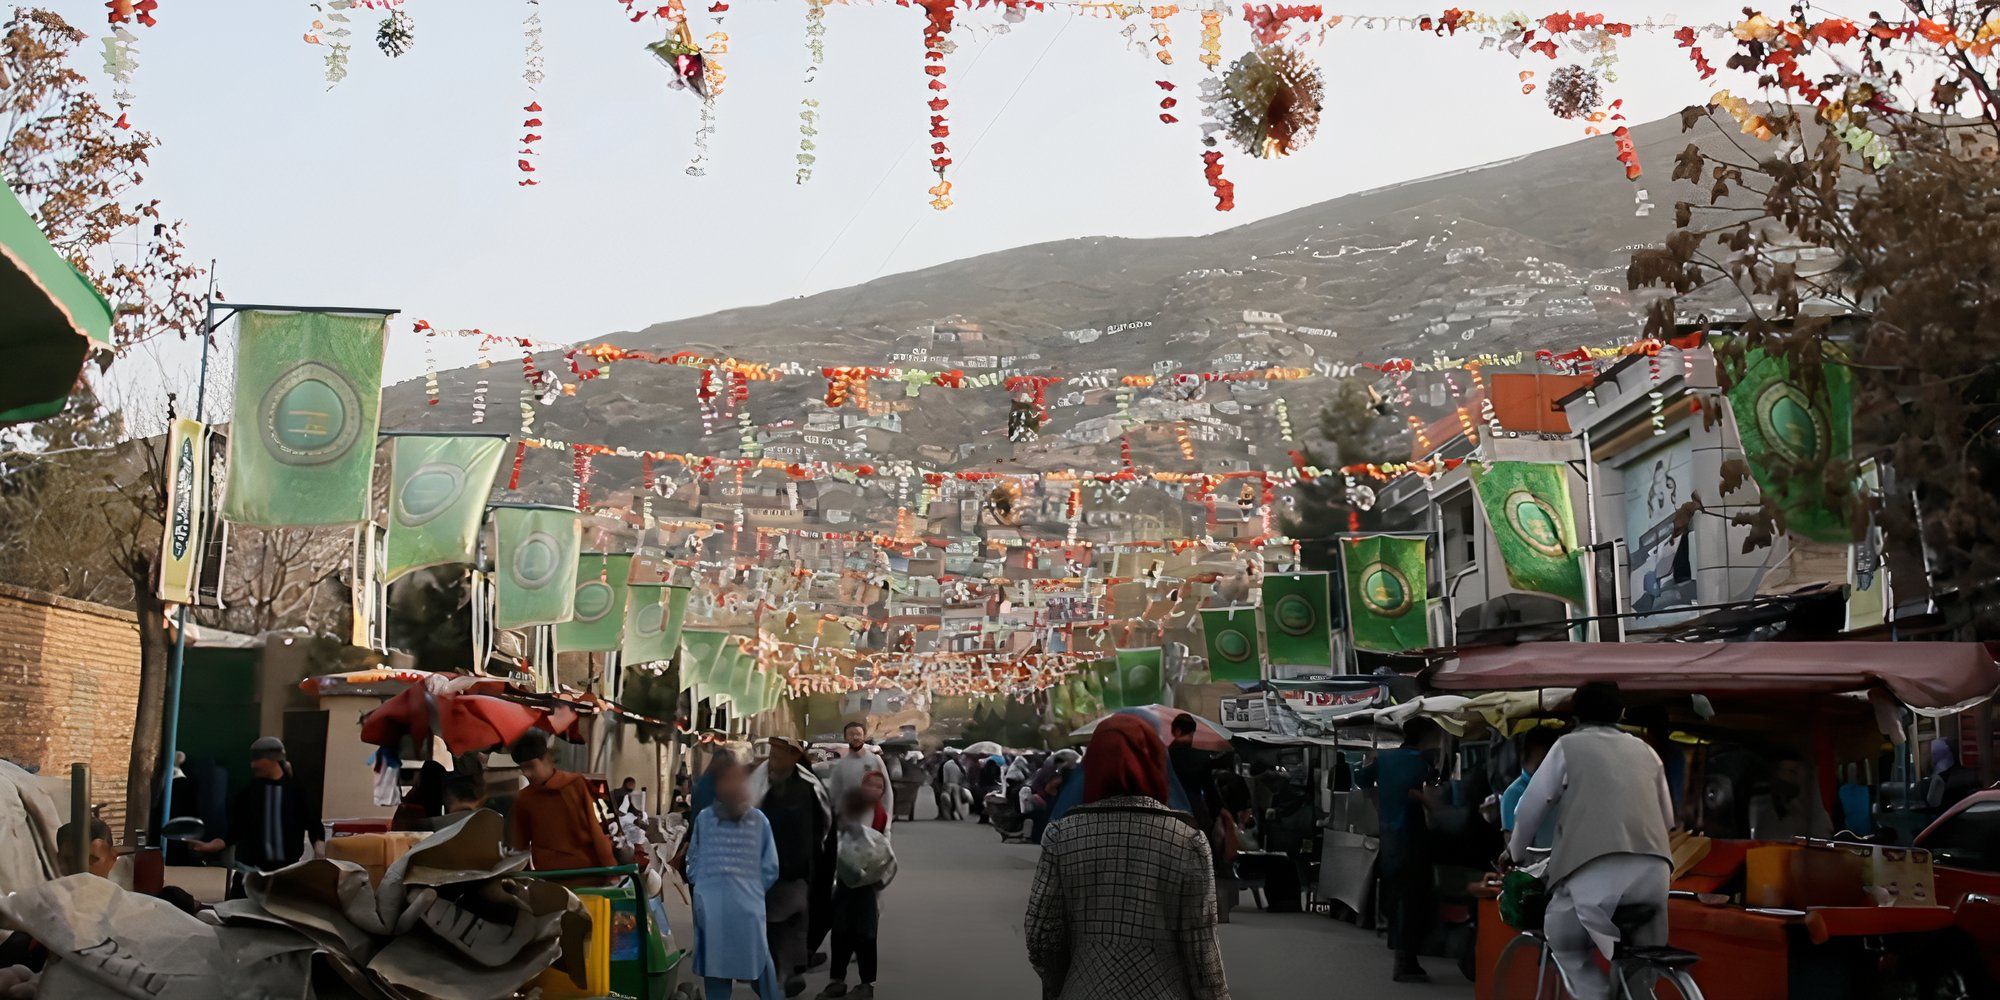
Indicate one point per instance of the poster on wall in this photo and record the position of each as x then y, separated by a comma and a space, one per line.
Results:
1661, 574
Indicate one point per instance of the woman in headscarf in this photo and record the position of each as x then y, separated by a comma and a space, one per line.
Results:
1123, 904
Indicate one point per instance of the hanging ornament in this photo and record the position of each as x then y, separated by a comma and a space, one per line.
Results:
1573, 92
396, 34
809, 107
679, 53
533, 109
1211, 36
937, 27
333, 33
1270, 101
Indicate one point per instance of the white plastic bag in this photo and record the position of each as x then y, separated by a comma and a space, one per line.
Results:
863, 857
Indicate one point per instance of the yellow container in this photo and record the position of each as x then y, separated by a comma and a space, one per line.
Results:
597, 958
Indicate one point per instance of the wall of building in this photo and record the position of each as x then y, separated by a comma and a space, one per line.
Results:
69, 689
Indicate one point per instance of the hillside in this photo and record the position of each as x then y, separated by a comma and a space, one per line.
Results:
1524, 253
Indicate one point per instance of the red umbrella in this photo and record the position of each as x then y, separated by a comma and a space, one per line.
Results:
1207, 735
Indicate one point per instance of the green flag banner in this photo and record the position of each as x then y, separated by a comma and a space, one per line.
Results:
1298, 625
598, 624
701, 649
534, 565
437, 496
652, 622
1790, 436
732, 676
1140, 678
1527, 507
1110, 686
302, 444
1232, 644
1387, 580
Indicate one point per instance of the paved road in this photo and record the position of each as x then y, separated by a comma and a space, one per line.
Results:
951, 930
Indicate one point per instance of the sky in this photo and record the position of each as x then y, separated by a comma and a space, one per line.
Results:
397, 187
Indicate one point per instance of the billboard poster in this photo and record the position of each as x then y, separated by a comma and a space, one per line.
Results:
1660, 576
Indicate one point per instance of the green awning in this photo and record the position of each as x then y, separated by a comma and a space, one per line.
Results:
50, 319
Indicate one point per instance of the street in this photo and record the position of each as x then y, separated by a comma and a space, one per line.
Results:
951, 928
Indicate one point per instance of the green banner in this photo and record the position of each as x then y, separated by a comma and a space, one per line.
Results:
302, 442
1298, 627
652, 622
1790, 437
1528, 508
534, 565
437, 497
1387, 582
1110, 686
1140, 678
598, 624
701, 650
1232, 644
732, 677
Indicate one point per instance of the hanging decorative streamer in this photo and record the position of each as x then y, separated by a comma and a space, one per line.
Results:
713, 79
580, 465
528, 140
809, 110
1284, 415
937, 26
531, 74
121, 52
333, 33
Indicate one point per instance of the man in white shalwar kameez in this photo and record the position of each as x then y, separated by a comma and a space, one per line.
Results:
1611, 848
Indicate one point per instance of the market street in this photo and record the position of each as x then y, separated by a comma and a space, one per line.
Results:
951, 927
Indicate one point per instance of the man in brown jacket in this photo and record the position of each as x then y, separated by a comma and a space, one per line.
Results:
555, 817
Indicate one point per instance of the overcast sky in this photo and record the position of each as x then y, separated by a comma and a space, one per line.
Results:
397, 187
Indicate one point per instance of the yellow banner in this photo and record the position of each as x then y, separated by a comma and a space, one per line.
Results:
187, 504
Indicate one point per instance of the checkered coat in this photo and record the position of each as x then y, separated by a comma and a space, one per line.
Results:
1123, 907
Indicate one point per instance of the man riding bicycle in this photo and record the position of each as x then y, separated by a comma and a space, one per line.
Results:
1610, 850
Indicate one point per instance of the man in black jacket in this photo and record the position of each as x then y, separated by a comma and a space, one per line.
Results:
272, 821
801, 820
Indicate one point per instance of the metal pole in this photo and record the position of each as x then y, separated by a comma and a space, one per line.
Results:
179, 657
79, 819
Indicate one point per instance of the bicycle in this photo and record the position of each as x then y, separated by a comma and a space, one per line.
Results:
1636, 971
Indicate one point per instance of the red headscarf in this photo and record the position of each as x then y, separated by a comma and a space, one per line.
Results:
1126, 758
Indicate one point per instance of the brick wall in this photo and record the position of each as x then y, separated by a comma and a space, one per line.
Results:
69, 688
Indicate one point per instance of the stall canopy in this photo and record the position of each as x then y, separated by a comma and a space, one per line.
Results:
1930, 677
53, 319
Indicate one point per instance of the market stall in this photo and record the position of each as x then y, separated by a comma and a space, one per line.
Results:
1773, 905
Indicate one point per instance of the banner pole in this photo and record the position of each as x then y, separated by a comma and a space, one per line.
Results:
179, 656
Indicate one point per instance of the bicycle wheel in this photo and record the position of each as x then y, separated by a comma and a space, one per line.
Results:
1526, 970
1655, 983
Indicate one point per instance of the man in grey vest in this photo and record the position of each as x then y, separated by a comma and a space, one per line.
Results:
1611, 847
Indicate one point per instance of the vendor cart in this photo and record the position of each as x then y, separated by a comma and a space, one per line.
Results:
1770, 916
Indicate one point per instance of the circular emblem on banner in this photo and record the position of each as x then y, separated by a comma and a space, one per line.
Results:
651, 619
593, 600
1534, 521
1294, 615
311, 415
1385, 591
1142, 678
1792, 427
428, 492
1231, 645
536, 561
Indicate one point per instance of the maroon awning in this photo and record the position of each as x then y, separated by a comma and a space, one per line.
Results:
1935, 676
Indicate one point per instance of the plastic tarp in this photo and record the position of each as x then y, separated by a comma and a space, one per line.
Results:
467, 712
1933, 678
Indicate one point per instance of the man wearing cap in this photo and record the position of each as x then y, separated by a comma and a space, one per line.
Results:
272, 822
